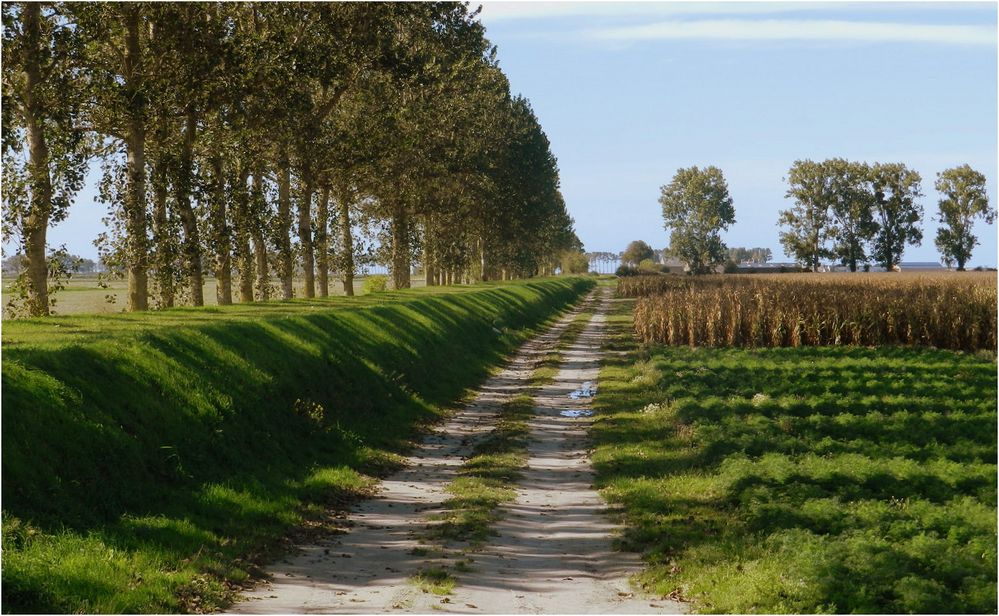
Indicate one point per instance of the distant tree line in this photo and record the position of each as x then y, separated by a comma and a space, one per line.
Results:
749, 255
15, 264
248, 140
855, 212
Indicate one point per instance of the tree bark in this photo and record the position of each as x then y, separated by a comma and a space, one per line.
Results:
347, 242
482, 259
400, 248
285, 263
36, 219
322, 241
163, 241
428, 258
137, 244
243, 224
259, 242
223, 243
305, 234
192, 239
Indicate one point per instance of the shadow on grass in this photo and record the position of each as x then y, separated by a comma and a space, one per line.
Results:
803, 480
170, 448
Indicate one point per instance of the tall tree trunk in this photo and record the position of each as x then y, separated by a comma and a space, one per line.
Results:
36, 220
222, 240
323, 241
400, 248
305, 233
482, 259
163, 242
243, 222
429, 266
285, 258
258, 215
192, 239
347, 244
137, 244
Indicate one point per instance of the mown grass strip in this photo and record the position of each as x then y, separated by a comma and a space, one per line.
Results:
824, 479
152, 462
488, 478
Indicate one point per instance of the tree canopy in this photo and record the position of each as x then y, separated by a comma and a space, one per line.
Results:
851, 211
636, 252
696, 207
255, 140
963, 199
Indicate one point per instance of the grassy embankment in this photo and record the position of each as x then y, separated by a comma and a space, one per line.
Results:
812, 479
150, 460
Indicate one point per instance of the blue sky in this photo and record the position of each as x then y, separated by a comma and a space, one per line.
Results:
630, 92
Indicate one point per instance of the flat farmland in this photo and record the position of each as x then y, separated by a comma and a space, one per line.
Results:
809, 478
83, 294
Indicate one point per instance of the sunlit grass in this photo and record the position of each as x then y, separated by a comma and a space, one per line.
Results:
152, 461
806, 480
435, 580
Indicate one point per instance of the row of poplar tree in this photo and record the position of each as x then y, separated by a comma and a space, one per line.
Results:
252, 140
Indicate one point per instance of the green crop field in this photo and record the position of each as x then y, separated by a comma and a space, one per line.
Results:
152, 460
811, 479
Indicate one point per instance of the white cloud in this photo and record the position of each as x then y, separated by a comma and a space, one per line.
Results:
504, 10
799, 29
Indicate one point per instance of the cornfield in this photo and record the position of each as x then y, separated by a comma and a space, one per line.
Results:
948, 311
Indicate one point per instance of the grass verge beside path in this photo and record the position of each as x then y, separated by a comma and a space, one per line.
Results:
150, 460
805, 480
488, 478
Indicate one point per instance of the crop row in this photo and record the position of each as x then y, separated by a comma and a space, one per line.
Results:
774, 311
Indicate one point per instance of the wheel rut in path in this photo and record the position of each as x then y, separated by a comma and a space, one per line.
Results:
553, 551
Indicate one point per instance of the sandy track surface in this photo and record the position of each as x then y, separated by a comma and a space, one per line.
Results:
553, 551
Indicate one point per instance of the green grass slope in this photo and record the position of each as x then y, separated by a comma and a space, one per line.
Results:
148, 459
827, 479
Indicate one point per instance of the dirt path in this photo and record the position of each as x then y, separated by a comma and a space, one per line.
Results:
553, 553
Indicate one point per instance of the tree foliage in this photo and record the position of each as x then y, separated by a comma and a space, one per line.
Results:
249, 140
750, 255
44, 149
963, 199
851, 211
696, 207
896, 212
636, 252
807, 225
